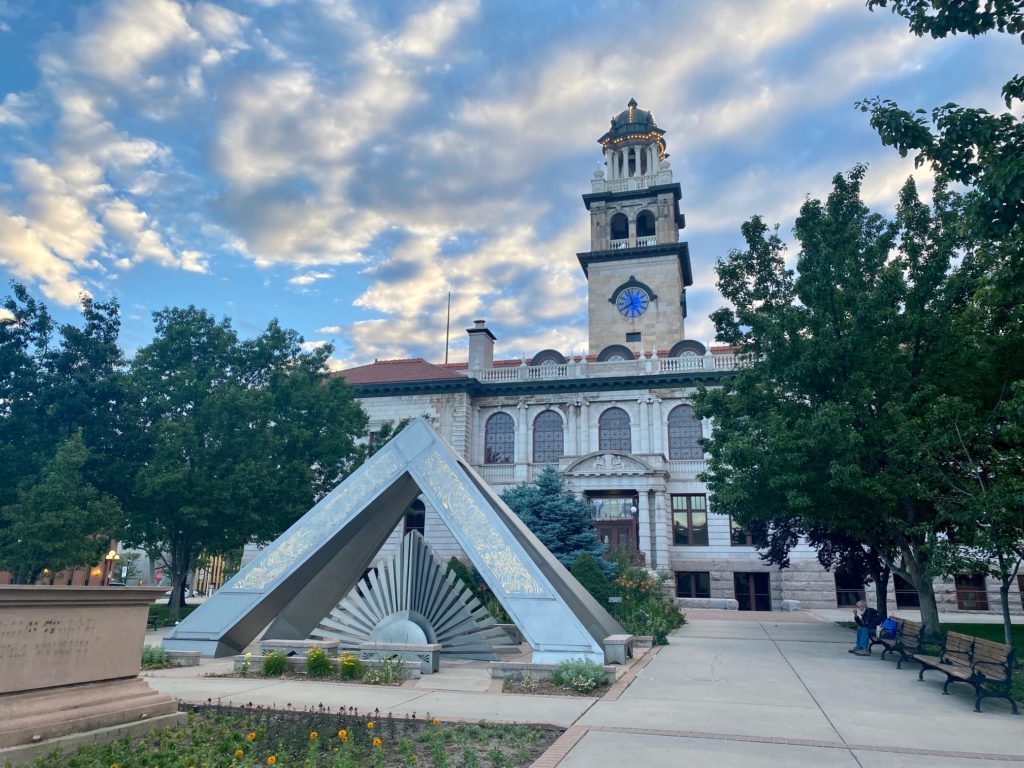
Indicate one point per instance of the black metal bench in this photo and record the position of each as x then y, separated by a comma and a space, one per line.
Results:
153, 623
985, 665
906, 643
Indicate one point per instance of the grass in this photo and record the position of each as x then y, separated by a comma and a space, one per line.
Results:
223, 737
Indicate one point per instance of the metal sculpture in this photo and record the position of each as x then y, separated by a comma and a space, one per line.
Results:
301, 576
412, 599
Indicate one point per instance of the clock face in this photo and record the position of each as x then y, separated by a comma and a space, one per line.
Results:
632, 302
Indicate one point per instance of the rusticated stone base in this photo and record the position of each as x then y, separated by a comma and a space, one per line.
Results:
32, 716
28, 753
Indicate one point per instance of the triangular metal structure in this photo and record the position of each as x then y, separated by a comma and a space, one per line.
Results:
296, 581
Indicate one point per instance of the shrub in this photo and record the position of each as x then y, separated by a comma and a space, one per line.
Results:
591, 576
350, 668
581, 675
646, 608
388, 672
274, 664
154, 657
318, 663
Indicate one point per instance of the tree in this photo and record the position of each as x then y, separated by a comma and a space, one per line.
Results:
831, 428
984, 152
592, 577
242, 437
61, 521
557, 516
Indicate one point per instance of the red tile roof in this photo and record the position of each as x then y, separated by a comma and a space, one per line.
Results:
387, 371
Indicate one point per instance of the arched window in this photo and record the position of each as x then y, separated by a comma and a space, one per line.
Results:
645, 224
499, 439
620, 227
613, 431
416, 517
548, 440
684, 432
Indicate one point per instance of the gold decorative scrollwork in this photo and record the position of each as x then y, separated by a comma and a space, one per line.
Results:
319, 522
488, 542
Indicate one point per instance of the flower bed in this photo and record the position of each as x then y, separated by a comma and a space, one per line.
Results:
226, 737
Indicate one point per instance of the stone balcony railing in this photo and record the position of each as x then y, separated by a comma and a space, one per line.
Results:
582, 369
524, 472
641, 242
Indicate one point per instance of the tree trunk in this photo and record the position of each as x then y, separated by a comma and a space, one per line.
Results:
882, 594
179, 572
1004, 601
929, 608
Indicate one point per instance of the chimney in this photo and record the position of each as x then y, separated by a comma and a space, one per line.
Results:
481, 346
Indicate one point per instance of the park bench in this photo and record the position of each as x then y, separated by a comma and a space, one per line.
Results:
618, 648
983, 664
906, 643
153, 622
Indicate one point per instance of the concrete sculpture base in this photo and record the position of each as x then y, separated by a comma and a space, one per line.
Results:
70, 663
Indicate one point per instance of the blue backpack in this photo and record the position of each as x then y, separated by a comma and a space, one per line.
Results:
888, 628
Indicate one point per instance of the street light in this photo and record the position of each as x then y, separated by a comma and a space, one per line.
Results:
109, 559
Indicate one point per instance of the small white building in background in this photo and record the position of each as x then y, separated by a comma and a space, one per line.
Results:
618, 422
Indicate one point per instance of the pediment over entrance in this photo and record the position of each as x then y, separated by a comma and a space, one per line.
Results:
609, 463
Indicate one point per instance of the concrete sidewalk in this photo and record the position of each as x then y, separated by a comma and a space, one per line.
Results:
745, 691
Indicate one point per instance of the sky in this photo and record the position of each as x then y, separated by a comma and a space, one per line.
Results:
341, 165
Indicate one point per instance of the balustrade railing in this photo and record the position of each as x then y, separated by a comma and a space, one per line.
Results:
686, 467
643, 242
618, 245
647, 364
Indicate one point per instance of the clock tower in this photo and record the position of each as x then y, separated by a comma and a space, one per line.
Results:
637, 269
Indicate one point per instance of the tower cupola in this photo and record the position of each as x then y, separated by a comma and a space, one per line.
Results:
634, 147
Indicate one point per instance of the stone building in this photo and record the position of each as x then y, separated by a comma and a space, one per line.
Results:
616, 422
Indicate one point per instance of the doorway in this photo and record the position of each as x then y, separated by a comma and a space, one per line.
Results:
753, 591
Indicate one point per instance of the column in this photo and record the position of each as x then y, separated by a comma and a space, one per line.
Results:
522, 457
657, 427
643, 444
644, 524
570, 429
608, 163
662, 528
584, 427
653, 162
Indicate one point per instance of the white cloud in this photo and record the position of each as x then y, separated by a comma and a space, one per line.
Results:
310, 277
24, 253
331, 329
310, 346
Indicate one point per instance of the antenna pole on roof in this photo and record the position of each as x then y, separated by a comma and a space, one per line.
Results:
447, 327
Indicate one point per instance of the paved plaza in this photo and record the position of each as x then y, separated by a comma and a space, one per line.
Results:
746, 690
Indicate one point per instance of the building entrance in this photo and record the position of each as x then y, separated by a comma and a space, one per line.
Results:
753, 591
615, 520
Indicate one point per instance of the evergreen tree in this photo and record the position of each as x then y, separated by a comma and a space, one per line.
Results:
591, 576
557, 516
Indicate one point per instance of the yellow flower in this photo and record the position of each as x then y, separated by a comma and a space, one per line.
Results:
377, 742
343, 734
370, 725
251, 736
272, 760
435, 721
114, 765
239, 754
313, 735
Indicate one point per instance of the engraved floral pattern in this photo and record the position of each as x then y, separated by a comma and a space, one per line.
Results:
468, 516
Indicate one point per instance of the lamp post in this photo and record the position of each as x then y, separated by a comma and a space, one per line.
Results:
109, 559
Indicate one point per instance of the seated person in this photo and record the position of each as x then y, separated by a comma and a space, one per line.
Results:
867, 621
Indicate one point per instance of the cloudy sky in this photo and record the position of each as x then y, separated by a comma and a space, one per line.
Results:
342, 164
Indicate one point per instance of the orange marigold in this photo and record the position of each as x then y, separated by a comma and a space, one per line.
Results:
435, 721
313, 735
370, 725
343, 734
272, 760
377, 742
251, 736
239, 754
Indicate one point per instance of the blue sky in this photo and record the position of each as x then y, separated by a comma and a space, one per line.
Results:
341, 165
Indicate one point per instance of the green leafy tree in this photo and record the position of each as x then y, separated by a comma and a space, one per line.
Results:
557, 516
243, 437
61, 521
833, 427
985, 152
